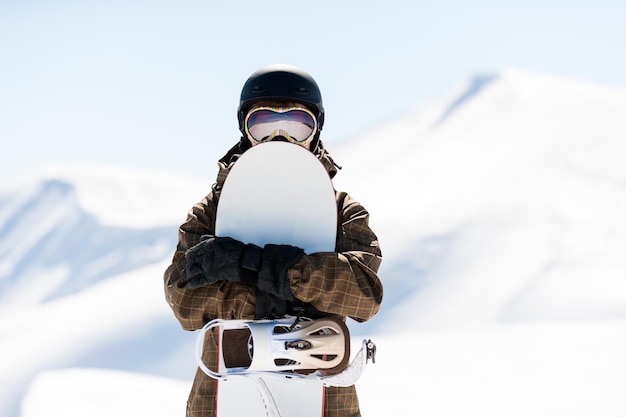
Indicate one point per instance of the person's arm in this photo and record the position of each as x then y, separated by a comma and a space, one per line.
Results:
224, 299
343, 282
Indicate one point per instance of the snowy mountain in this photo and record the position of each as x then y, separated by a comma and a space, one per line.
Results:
82, 253
69, 230
503, 202
500, 214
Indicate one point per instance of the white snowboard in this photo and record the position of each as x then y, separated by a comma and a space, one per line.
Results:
278, 193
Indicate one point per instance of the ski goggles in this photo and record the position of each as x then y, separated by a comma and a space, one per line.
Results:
296, 124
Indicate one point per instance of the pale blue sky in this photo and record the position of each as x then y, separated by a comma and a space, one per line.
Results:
156, 83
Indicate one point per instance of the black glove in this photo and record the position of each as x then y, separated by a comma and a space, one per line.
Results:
273, 273
269, 306
221, 258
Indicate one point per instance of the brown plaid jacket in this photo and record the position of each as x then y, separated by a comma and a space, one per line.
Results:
344, 282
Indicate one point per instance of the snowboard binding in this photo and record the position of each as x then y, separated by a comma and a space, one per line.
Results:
289, 345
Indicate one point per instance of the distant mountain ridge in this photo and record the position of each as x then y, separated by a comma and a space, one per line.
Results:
486, 199
52, 247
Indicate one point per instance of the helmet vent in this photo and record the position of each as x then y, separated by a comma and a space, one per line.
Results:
258, 89
301, 90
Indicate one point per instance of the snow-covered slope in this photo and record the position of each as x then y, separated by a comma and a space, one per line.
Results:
502, 202
104, 393
517, 370
121, 323
70, 228
500, 213
82, 253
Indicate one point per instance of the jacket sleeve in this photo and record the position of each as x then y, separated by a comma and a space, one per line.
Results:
224, 299
344, 282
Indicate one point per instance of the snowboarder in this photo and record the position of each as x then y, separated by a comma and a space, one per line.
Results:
218, 277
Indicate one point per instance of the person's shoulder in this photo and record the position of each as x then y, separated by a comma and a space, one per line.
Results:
346, 203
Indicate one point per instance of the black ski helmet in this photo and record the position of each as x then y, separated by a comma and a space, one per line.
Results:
280, 82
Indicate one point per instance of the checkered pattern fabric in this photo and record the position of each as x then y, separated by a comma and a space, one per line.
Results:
344, 283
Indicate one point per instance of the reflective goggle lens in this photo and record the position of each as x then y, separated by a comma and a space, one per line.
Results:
296, 124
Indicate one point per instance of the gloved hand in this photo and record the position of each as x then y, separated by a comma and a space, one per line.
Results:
221, 258
277, 259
